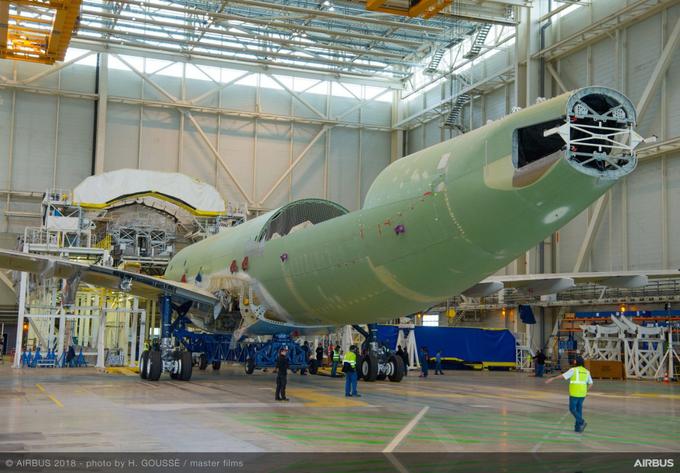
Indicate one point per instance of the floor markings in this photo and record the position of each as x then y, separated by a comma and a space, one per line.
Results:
406, 430
56, 401
314, 398
545, 437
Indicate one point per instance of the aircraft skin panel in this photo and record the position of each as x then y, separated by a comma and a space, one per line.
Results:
431, 227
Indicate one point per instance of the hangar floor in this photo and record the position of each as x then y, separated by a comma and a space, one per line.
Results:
80, 409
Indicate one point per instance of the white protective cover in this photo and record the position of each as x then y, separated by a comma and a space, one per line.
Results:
103, 188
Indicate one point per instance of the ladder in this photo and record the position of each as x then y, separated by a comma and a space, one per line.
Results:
478, 42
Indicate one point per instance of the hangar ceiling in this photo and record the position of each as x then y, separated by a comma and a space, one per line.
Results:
336, 36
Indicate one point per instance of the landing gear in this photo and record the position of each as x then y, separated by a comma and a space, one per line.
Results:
395, 368
177, 362
380, 362
250, 366
202, 362
216, 365
154, 366
368, 368
182, 367
144, 365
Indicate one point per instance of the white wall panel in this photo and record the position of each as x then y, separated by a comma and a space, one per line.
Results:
373, 157
160, 139
122, 136
571, 236
239, 97
34, 141
308, 176
573, 70
673, 195
644, 217
343, 167
124, 83
495, 104
5, 121
273, 142
604, 64
644, 48
237, 147
74, 152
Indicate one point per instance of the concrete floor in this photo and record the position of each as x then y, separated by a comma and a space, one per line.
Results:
228, 411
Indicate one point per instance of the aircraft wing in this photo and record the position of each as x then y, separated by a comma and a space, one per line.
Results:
74, 272
541, 284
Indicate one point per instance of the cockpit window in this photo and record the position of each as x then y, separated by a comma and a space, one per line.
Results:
529, 144
299, 215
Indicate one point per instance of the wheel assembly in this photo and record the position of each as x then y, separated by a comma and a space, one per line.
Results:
187, 367
144, 365
155, 366
395, 368
369, 367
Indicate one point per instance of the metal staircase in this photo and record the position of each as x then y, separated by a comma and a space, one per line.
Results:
434, 62
477, 44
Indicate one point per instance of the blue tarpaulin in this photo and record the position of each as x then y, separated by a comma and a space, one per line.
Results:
472, 345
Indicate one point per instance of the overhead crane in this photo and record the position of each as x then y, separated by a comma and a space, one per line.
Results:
37, 30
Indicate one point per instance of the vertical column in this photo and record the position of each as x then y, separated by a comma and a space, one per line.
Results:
134, 338
101, 303
142, 331
102, 102
23, 287
62, 332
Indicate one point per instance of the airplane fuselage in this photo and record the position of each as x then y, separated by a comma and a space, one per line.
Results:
433, 224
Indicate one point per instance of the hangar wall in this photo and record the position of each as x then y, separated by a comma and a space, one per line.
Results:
641, 221
257, 124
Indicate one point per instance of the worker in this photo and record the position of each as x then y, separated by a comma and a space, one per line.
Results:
336, 360
349, 367
579, 380
282, 374
425, 361
305, 351
539, 364
438, 363
404, 356
319, 355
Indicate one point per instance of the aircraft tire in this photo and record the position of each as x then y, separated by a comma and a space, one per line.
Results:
313, 366
250, 366
368, 368
216, 365
186, 367
398, 368
202, 362
155, 365
144, 365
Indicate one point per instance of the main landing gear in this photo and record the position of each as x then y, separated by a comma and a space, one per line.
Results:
164, 357
379, 362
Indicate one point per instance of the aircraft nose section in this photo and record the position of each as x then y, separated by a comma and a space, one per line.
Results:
599, 133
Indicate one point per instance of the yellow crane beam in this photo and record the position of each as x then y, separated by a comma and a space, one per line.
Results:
4, 25
20, 41
424, 8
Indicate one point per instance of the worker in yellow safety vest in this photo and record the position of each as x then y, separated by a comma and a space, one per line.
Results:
349, 367
579, 380
336, 361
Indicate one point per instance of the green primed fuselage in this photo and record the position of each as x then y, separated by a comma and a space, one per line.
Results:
463, 218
